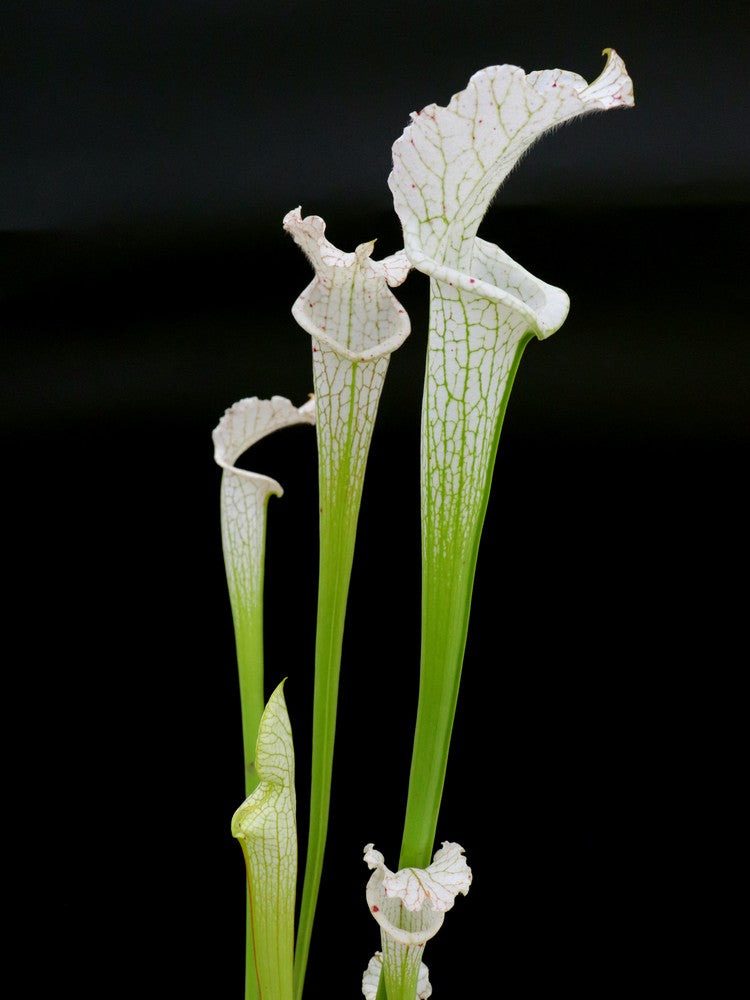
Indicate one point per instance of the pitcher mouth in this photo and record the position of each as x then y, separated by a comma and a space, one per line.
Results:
544, 318
402, 328
380, 906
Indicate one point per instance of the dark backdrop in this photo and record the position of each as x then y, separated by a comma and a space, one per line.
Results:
150, 151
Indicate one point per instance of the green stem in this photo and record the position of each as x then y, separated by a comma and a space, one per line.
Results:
447, 582
249, 655
250, 669
337, 542
249, 646
341, 482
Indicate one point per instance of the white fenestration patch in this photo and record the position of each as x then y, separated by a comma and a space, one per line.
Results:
410, 906
355, 323
244, 495
348, 305
450, 160
447, 166
415, 888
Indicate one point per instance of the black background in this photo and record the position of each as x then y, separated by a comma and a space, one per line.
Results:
150, 152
